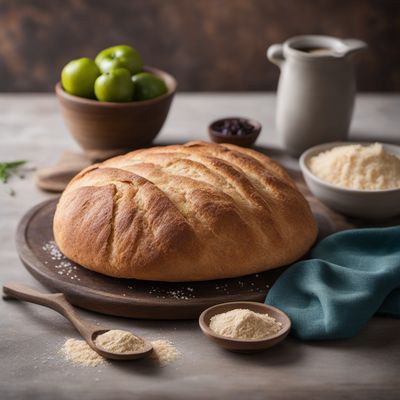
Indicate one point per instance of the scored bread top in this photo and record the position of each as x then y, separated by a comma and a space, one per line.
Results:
189, 212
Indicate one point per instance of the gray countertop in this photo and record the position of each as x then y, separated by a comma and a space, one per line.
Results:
366, 366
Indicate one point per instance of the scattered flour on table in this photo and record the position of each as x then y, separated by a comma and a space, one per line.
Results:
118, 341
164, 351
79, 352
244, 324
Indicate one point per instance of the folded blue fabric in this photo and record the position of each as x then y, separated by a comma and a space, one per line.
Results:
350, 276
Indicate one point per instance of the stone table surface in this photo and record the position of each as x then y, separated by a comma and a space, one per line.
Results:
366, 366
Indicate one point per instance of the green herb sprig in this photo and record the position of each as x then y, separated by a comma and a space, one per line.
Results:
9, 168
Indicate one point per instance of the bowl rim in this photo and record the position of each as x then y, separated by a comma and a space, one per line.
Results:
252, 121
171, 83
307, 154
239, 304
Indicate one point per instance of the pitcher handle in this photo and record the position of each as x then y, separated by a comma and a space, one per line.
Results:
275, 54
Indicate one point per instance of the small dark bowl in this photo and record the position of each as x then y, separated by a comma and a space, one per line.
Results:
244, 345
245, 140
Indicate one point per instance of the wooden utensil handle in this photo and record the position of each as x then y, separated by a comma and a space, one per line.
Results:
25, 293
55, 301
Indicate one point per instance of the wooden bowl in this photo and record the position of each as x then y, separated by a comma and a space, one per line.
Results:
245, 140
101, 127
244, 345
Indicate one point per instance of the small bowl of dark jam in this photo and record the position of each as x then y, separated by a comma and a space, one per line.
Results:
235, 130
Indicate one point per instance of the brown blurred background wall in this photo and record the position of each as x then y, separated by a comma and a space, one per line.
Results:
207, 44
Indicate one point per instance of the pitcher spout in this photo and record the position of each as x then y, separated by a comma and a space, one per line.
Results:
351, 46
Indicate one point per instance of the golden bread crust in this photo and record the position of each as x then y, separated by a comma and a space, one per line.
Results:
189, 212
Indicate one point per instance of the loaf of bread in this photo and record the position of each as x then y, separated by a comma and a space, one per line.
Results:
189, 212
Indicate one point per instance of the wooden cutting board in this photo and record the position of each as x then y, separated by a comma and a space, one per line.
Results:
150, 300
134, 298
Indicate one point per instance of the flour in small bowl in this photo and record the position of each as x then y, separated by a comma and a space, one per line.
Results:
244, 324
355, 166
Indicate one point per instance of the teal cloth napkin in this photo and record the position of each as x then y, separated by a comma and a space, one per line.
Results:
350, 276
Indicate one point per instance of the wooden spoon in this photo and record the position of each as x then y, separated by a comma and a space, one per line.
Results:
88, 331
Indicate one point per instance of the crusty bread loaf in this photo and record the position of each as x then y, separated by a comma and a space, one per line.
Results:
189, 212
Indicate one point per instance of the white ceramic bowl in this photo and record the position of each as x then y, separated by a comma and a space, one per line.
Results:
370, 204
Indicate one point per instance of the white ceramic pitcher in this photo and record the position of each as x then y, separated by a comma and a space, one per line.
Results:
316, 89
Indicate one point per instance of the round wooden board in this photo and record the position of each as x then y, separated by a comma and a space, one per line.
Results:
124, 297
